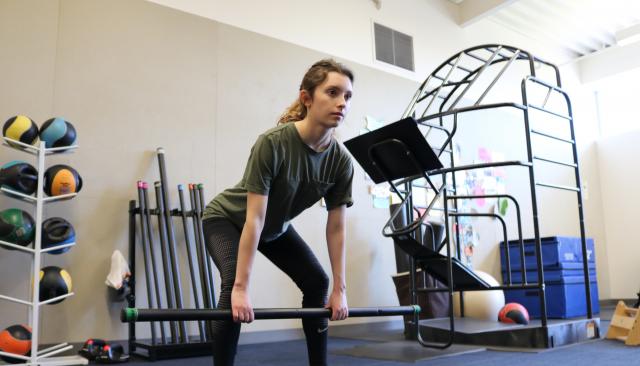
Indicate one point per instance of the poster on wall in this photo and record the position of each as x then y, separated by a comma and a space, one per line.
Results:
478, 182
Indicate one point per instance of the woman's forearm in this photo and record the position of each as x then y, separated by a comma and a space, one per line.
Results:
246, 253
337, 257
336, 238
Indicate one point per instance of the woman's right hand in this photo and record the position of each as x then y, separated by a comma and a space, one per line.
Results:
241, 306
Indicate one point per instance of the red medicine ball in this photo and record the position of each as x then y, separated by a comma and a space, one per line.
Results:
514, 313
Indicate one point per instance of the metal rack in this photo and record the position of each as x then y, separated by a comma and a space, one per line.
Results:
39, 356
450, 91
176, 343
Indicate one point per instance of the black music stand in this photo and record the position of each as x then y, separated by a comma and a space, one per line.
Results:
397, 151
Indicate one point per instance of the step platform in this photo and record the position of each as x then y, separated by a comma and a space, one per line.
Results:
436, 264
470, 331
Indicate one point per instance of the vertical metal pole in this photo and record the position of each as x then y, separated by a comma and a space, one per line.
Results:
445, 196
35, 308
202, 258
456, 221
197, 226
194, 287
534, 209
131, 299
166, 265
146, 255
199, 209
171, 240
146, 214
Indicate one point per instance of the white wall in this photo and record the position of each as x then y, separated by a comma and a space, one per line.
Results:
617, 160
344, 28
615, 153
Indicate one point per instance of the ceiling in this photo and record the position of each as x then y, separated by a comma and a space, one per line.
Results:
580, 26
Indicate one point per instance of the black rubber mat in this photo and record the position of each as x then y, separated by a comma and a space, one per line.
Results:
404, 351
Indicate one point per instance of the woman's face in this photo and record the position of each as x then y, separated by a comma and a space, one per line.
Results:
331, 100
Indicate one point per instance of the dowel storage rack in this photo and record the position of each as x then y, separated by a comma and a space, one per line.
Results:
39, 356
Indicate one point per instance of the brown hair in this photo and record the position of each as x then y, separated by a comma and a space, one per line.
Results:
315, 76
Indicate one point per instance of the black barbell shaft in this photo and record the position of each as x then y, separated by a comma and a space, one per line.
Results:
146, 315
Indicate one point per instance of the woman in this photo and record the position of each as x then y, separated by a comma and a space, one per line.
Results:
290, 168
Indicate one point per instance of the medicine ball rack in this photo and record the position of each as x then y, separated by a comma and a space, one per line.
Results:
405, 163
161, 266
39, 356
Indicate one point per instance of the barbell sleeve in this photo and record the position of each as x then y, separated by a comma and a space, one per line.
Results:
147, 315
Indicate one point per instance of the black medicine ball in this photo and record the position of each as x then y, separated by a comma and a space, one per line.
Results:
54, 282
57, 231
19, 176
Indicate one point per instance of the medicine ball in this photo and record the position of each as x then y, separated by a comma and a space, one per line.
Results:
61, 179
19, 176
56, 132
57, 231
16, 339
514, 313
54, 282
21, 128
16, 227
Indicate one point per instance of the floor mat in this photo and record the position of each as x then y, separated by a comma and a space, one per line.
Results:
404, 351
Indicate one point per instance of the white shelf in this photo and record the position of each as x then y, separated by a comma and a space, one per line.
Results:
35, 150
18, 195
53, 348
62, 361
52, 351
62, 197
18, 301
51, 249
29, 250
20, 357
39, 356
16, 247
46, 359
55, 299
31, 199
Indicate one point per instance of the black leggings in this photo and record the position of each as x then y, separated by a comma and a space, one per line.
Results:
294, 257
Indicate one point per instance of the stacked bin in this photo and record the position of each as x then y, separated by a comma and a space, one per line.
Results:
563, 276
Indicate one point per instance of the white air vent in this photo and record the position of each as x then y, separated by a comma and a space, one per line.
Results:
393, 47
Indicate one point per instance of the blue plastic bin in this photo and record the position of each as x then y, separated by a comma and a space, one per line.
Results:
566, 298
550, 276
558, 252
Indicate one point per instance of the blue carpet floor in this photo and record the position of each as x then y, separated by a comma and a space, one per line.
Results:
293, 353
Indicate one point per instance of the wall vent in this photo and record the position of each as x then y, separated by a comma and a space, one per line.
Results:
393, 47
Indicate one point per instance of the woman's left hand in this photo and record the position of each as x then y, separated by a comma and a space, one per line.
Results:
338, 305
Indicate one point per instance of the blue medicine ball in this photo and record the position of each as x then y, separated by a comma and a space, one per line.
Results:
56, 132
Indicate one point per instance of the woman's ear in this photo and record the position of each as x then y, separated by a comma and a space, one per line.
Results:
305, 98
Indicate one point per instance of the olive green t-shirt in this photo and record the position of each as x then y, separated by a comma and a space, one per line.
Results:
294, 177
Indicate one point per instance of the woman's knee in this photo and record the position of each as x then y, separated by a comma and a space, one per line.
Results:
316, 287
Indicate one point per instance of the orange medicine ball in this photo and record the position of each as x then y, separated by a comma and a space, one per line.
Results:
61, 179
15, 339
